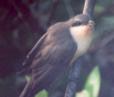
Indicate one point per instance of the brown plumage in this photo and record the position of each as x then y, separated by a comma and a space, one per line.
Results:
55, 52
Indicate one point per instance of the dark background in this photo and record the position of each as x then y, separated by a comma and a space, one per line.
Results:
23, 22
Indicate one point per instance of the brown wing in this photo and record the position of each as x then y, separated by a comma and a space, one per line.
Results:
33, 51
53, 56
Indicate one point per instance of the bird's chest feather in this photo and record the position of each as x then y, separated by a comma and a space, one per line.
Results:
82, 37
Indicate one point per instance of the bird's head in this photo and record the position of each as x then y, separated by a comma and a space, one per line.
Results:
81, 24
80, 20
81, 29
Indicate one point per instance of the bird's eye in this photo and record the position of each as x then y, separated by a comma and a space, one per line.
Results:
76, 23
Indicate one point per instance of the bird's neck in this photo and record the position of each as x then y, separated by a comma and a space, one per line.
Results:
82, 36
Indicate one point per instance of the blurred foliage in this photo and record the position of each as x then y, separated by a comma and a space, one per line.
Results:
7, 87
43, 93
91, 88
92, 85
23, 22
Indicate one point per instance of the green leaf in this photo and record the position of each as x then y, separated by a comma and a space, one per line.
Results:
83, 93
99, 8
93, 82
92, 85
42, 93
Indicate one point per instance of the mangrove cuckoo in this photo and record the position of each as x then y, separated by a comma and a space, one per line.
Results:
57, 49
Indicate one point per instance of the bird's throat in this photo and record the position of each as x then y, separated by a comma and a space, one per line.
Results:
82, 36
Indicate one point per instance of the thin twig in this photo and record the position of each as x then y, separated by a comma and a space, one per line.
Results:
69, 8
52, 11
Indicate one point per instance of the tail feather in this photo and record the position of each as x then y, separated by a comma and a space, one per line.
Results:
27, 92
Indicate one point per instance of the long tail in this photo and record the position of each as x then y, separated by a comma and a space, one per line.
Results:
27, 92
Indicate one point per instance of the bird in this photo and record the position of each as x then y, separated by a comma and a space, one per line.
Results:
56, 51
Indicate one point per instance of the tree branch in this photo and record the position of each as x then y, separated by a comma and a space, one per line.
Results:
89, 7
74, 75
73, 79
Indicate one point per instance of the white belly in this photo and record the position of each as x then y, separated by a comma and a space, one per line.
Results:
83, 40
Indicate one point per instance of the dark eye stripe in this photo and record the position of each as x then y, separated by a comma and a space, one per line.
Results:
76, 24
